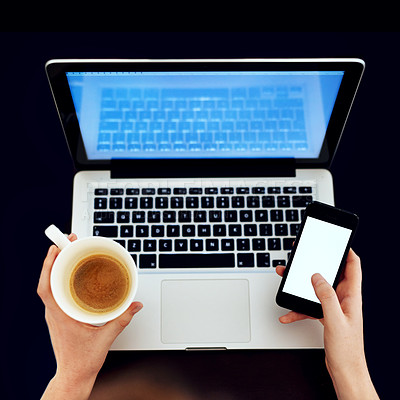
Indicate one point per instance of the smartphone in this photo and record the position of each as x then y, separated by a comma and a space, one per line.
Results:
321, 245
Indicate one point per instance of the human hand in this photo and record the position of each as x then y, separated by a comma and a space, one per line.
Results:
80, 349
343, 330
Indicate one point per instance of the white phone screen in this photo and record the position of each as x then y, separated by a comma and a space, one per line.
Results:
320, 249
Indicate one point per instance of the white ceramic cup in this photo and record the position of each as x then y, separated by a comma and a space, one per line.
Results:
71, 253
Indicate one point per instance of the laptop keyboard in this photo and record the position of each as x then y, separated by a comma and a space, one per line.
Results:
202, 227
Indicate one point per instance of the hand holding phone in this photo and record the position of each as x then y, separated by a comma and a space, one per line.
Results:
321, 246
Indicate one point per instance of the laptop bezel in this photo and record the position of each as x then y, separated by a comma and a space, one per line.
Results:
56, 73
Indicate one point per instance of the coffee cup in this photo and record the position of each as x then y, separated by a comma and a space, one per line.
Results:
93, 279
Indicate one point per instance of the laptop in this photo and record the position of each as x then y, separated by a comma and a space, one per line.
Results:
202, 169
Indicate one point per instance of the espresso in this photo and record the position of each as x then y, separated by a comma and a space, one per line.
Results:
99, 283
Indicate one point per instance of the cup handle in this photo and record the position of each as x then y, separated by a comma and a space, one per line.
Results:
57, 237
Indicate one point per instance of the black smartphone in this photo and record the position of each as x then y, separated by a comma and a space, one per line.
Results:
321, 245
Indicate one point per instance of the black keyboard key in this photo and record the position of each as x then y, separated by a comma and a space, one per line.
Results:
203, 230
215, 216
101, 192
134, 245
230, 215
274, 190
292, 215
163, 191
219, 230
242, 190
281, 230
274, 244
253, 201
120, 241
301, 201
268, 201
237, 201
263, 260
188, 230
131, 202
211, 190
180, 191
153, 216
123, 216
283, 201
275, 263
235, 230
265, 229
117, 192
138, 216
246, 216
132, 191
100, 203
196, 245
294, 229
227, 190
134, 258
147, 261
185, 216
149, 245
212, 245
176, 202
258, 190
290, 189
173, 230
103, 217
169, 216
146, 202
222, 201
148, 191
261, 215
142, 231
276, 215
197, 260
243, 244
200, 216
192, 202
305, 189
157, 231
207, 202
181, 245
195, 190
115, 202
105, 230
288, 243
250, 230
245, 260
258, 244
165, 245
227, 244
162, 202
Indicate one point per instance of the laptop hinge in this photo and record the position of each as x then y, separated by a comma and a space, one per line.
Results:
204, 168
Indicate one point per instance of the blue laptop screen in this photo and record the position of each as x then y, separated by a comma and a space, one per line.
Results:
172, 115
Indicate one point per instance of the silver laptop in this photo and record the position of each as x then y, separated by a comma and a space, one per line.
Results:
202, 170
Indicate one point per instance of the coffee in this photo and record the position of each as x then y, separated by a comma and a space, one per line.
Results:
99, 283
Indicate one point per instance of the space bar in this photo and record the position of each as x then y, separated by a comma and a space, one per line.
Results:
211, 260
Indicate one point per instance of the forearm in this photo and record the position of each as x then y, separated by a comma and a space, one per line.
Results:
62, 388
354, 385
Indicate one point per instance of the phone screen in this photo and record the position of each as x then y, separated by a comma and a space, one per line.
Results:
320, 249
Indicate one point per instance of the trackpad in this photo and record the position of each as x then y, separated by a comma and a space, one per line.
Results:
205, 311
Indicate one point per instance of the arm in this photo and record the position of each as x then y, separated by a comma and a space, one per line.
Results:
343, 332
80, 349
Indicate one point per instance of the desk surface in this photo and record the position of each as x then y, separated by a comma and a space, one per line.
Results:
37, 179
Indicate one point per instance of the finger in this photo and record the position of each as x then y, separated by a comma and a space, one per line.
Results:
353, 274
119, 324
43, 288
293, 316
328, 298
280, 269
72, 237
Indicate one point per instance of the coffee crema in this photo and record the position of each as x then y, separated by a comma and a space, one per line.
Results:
99, 283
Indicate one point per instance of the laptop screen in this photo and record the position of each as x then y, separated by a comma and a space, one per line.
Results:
203, 114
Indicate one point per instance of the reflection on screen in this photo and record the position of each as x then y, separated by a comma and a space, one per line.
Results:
203, 114
320, 249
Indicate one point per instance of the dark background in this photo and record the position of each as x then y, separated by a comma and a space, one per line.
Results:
37, 173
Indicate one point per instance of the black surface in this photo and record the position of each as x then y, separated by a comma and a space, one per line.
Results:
37, 175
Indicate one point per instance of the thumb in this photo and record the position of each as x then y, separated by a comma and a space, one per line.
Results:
121, 322
327, 296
